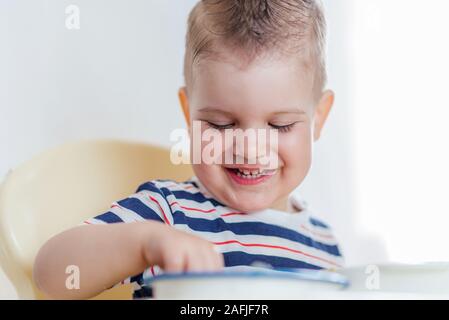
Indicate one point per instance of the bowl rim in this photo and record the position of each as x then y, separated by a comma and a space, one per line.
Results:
320, 276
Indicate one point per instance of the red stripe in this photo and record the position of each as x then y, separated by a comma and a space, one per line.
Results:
87, 222
206, 211
152, 270
198, 210
274, 247
326, 236
192, 209
162, 210
115, 206
233, 214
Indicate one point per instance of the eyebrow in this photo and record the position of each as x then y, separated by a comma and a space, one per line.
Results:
215, 110
292, 111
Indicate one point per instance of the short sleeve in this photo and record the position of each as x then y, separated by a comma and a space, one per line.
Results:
148, 203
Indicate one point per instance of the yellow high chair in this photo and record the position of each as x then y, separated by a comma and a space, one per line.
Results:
62, 187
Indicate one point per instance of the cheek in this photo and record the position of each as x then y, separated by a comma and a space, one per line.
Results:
210, 176
202, 171
295, 148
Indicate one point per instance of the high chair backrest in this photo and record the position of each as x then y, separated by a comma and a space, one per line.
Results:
60, 188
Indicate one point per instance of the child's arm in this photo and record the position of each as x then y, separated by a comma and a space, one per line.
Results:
107, 254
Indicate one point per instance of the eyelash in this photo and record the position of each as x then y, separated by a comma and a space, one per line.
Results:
282, 129
220, 127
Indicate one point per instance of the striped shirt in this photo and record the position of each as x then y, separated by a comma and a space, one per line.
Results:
269, 237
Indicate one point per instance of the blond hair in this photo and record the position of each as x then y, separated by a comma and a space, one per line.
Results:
257, 26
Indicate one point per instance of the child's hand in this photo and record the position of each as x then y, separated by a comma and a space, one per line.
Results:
177, 251
107, 254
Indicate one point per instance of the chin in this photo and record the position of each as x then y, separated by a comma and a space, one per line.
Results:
248, 204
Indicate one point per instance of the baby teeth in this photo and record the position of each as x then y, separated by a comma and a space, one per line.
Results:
248, 176
253, 174
249, 172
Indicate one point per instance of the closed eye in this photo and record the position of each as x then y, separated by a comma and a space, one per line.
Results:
220, 126
285, 128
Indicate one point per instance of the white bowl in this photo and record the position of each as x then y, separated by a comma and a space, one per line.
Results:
422, 278
252, 284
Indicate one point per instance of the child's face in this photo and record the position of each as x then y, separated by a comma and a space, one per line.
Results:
266, 94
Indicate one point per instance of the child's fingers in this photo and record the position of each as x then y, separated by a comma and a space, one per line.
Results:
219, 260
219, 257
196, 262
202, 259
214, 260
189, 253
174, 263
208, 260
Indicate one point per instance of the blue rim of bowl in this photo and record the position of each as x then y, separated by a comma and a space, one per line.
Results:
293, 274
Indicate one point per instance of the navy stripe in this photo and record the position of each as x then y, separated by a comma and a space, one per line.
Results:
193, 183
179, 194
109, 217
144, 292
318, 223
149, 186
238, 258
140, 208
251, 228
198, 197
138, 278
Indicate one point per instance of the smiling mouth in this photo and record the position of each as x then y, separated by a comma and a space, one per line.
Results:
246, 176
252, 173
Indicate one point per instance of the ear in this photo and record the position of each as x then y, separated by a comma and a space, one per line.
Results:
322, 111
184, 101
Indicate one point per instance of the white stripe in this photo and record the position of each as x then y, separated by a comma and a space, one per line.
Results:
93, 221
187, 187
196, 205
125, 214
144, 197
176, 186
320, 236
147, 274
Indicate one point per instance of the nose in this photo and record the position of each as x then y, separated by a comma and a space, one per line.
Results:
256, 147
246, 153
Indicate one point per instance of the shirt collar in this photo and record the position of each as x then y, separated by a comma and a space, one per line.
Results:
296, 202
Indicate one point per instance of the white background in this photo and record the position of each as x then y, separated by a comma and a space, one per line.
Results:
380, 172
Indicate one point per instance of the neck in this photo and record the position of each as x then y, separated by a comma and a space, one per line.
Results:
281, 205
